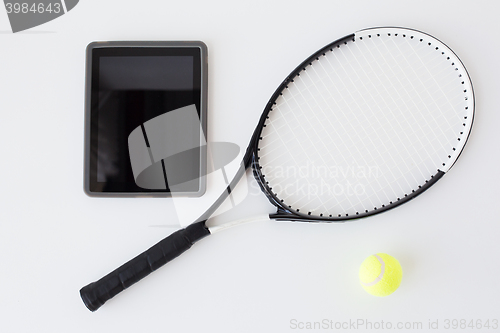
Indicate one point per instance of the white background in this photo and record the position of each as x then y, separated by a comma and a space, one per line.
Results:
258, 277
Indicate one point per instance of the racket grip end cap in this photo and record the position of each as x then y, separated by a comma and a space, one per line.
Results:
89, 299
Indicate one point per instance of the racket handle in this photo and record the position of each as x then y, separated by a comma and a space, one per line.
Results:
97, 293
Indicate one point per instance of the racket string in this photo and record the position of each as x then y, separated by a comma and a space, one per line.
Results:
382, 126
349, 123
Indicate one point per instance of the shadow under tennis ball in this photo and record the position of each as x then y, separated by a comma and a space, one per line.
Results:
27, 14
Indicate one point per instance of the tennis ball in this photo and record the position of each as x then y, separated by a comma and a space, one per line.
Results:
380, 274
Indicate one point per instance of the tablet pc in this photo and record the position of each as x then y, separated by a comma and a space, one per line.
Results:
145, 118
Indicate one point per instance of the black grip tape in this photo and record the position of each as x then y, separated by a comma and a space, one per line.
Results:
97, 293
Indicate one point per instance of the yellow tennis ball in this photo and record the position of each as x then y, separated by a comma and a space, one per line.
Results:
380, 274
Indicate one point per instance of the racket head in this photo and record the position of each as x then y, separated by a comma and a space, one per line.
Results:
363, 125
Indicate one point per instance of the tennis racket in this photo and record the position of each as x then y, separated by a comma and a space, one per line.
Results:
363, 125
